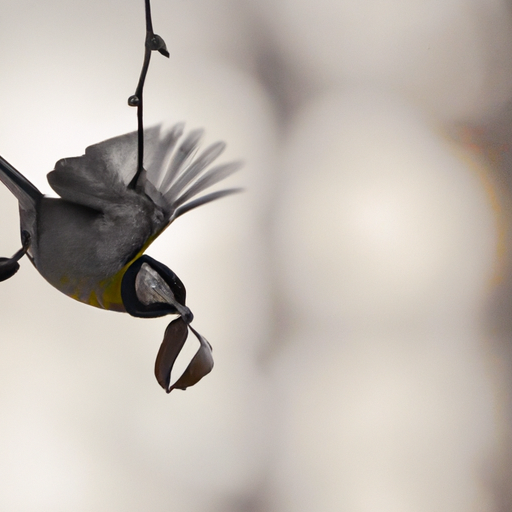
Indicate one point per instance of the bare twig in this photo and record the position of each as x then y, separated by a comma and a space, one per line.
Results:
153, 42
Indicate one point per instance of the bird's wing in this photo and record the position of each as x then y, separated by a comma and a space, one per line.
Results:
173, 177
177, 174
100, 176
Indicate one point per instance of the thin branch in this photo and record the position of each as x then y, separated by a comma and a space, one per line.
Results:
149, 23
153, 42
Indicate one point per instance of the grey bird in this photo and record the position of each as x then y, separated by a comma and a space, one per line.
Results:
89, 243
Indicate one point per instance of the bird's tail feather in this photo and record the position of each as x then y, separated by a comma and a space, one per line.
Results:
26, 193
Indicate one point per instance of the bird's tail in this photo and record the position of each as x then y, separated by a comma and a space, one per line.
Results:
26, 193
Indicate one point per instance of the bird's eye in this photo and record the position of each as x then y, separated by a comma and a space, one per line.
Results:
150, 289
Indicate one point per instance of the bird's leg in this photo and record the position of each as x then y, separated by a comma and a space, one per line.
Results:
153, 43
9, 266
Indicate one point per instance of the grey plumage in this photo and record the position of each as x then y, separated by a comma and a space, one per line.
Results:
99, 223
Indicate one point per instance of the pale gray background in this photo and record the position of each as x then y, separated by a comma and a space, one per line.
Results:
357, 295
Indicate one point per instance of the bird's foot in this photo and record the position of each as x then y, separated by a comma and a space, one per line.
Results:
9, 266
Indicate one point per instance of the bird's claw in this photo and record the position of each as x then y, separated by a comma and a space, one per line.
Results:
9, 266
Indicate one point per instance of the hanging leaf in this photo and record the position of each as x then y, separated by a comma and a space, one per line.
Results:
174, 339
201, 365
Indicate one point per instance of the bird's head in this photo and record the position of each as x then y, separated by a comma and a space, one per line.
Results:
150, 289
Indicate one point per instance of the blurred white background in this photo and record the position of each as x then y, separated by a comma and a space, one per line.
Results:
358, 295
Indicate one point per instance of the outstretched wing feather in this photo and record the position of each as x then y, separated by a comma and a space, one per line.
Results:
194, 170
208, 198
182, 155
101, 176
208, 179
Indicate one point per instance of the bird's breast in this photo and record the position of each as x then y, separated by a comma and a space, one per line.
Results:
84, 253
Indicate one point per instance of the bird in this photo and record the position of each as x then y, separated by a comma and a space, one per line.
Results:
89, 242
